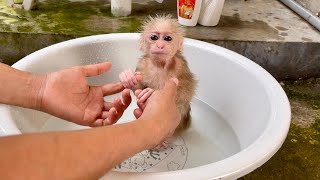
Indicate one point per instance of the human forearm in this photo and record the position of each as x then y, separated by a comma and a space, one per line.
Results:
19, 88
84, 154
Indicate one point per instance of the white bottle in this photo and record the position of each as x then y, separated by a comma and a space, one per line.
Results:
210, 12
188, 11
121, 7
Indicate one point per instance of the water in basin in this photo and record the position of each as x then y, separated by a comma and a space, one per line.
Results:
209, 139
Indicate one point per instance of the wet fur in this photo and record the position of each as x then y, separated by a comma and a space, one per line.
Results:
155, 76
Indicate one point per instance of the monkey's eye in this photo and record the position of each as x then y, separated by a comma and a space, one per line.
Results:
167, 38
154, 37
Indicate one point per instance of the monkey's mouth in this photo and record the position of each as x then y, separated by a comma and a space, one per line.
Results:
158, 52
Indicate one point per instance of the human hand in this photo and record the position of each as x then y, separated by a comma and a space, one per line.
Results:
67, 95
160, 109
130, 79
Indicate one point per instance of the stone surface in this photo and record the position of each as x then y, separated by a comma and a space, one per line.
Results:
298, 158
264, 31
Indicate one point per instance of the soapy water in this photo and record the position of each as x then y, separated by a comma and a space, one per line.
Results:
209, 139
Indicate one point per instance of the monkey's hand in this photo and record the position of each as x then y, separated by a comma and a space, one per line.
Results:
130, 79
144, 95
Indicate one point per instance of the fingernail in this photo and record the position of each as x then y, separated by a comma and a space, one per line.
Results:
175, 80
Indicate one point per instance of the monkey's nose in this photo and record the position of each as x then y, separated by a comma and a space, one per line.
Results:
160, 45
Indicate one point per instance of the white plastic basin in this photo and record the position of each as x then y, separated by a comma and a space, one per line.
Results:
240, 115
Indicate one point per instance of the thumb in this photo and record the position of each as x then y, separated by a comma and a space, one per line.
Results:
171, 87
96, 69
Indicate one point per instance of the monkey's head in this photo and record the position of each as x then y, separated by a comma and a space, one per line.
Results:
161, 38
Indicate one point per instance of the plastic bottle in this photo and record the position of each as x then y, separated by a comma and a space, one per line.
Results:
188, 11
121, 7
210, 12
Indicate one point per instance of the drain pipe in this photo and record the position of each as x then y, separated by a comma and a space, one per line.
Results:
306, 14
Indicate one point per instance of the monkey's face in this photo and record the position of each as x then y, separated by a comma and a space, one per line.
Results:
162, 43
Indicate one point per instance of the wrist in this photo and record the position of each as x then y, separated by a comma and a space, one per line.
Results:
37, 86
154, 133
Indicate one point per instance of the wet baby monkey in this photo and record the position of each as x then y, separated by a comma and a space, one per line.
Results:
161, 42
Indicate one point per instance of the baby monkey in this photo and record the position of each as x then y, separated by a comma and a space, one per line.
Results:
161, 42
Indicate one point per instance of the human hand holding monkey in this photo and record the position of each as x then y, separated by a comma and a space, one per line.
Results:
161, 110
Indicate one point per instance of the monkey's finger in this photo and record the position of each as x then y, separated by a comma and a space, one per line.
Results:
142, 93
139, 77
96, 69
133, 75
129, 77
146, 96
123, 80
137, 92
141, 105
137, 113
112, 88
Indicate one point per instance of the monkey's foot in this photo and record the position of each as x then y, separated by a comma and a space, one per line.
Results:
161, 146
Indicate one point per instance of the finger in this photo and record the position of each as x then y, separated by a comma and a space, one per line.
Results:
123, 80
138, 76
143, 92
98, 122
134, 78
129, 77
117, 104
112, 88
141, 105
146, 95
137, 113
105, 115
96, 69
121, 106
171, 86
111, 117
126, 98
108, 106
137, 92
